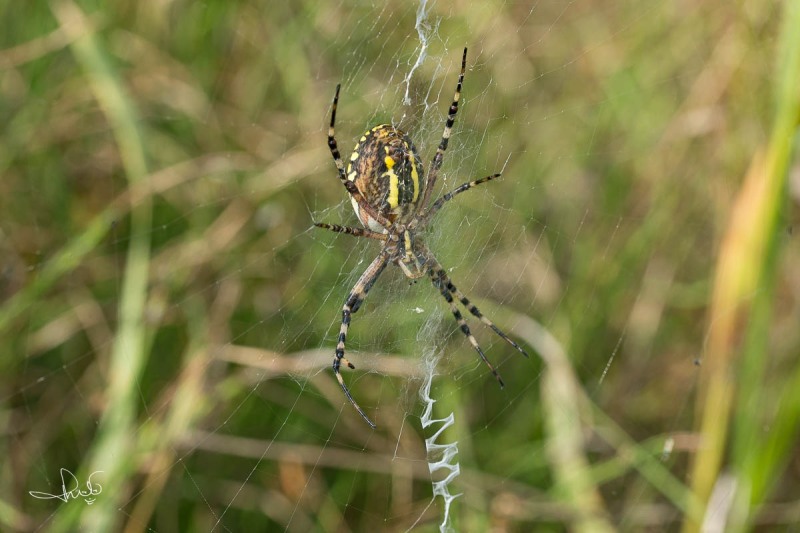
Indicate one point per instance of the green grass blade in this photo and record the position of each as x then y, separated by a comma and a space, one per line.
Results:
111, 450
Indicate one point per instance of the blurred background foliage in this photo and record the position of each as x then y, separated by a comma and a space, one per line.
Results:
169, 313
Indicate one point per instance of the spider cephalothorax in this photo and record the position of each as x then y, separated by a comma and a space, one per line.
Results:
390, 195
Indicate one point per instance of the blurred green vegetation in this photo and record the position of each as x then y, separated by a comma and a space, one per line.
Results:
168, 313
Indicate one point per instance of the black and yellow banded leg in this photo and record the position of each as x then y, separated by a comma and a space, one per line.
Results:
436, 162
356, 232
472, 308
438, 277
449, 196
351, 305
337, 159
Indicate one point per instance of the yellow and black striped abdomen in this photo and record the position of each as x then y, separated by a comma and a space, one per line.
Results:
387, 170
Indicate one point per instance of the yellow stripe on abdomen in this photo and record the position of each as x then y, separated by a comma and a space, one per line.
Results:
394, 185
414, 177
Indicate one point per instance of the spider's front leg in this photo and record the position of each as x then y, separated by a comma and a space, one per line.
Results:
440, 280
448, 290
351, 305
472, 308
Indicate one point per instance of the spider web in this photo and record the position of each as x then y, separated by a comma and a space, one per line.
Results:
583, 252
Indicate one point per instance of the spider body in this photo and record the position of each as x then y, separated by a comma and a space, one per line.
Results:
390, 195
387, 170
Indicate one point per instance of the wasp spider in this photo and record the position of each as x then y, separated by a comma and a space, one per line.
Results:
390, 195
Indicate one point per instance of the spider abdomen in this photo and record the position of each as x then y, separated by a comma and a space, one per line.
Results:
387, 170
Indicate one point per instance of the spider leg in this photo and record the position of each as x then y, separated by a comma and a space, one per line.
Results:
356, 232
438, 278
351, 305
437, 205
446, 282
436, 163
349, 185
